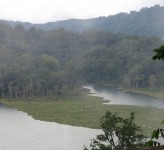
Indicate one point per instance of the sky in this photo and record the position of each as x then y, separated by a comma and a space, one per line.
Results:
42, 11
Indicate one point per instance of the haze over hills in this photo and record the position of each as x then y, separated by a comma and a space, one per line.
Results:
148, 22
38, 63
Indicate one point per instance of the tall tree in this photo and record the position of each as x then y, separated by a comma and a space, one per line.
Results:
118, 133
157, 132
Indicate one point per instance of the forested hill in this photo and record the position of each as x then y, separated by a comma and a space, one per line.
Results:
38, 63
148, 21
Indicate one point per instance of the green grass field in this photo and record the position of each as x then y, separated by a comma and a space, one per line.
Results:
86, 112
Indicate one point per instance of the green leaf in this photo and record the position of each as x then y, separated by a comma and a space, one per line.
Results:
162, 122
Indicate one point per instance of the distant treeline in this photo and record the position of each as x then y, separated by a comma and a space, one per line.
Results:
36, 63
146, 22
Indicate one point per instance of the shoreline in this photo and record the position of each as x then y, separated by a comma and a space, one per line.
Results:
86, 112
153, 93
156, 93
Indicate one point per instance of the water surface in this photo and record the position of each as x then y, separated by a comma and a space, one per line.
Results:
18, 131
119, 97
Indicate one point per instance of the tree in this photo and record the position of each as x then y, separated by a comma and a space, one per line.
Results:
157, 132
153, 80
118, 133
159, 53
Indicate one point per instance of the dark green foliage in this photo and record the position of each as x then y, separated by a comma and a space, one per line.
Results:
156, 134
118, 133
159, 53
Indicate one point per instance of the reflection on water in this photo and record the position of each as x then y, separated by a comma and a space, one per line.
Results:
116, 96
18, 131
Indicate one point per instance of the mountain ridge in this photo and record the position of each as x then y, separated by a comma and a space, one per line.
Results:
146, 22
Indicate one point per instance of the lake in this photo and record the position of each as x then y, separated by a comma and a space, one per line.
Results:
118, 97
18, 131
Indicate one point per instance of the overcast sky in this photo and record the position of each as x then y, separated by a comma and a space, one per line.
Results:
41, 11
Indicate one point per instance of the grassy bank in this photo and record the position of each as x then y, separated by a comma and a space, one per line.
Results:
85, 112
150, 92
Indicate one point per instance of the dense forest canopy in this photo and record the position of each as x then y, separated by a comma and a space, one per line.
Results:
38, 63
147, 21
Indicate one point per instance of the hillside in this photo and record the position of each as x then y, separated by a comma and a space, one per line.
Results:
148, 21
38, 63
